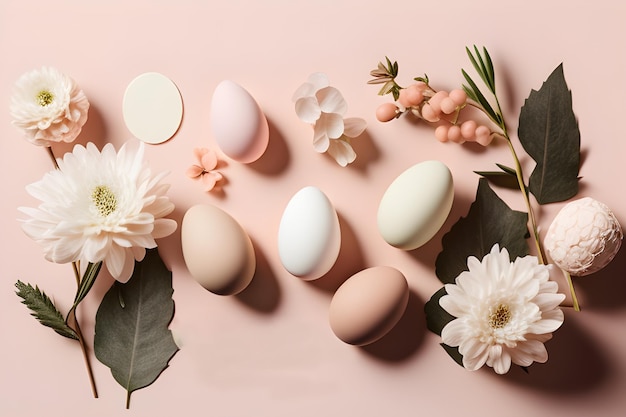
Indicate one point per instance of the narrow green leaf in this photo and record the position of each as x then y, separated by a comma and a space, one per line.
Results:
490, 71
132, 337
507, 169
502, 179
549, 133
488, 222
43, 309
480, 98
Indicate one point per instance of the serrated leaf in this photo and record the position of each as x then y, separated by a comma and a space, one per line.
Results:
549, 133
489, 221
132, 337
43, 309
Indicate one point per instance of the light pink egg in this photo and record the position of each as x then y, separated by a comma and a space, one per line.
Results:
368, 305
238, 124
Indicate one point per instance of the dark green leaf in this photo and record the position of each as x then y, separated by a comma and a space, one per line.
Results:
500, 178
479, 66
436, 320
132, 337
549, 133
488, 222
43, 309
490, 72
480, 98
454, 353
507, 169
436, 316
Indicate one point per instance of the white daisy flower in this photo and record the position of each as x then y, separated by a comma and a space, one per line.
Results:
505, 311
323, 106
48, 106
100, 206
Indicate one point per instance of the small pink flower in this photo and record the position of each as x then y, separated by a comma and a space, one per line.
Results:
205, 169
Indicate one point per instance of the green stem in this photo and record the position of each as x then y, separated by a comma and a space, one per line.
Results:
570, 283
531, 215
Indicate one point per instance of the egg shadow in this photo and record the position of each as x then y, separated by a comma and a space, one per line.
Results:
404, 338
276, 157
349, 260
427, 254
263, 294
576, 364
604, 290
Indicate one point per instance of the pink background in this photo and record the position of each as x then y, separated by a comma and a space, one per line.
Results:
269, 351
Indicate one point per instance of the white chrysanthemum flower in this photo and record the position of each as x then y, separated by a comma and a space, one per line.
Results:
49, 106
100, 206
505, 311
323, 106
583, 237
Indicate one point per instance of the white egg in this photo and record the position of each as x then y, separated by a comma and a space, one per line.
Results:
238, 124
217, 250
416, 205
309, 236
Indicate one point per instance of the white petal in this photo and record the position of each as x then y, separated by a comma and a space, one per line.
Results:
454, 333
354, 126
321, 142
342, 151
332, 123
115, 260
318, 80
308, 110
331, 101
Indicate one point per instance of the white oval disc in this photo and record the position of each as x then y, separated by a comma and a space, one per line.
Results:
152, 108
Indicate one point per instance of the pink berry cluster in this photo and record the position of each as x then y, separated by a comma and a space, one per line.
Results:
441, 107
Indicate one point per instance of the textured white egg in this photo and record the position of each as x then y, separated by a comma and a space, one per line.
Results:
368, 305
415, 205
309, 236
217, 250
238, 124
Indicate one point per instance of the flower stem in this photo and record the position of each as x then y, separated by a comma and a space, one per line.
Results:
570, 283
81, 293
531, 215
72, 318
51, 154
522, 187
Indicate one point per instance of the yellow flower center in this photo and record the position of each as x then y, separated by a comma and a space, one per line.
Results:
44, 98
499, 316
104, 199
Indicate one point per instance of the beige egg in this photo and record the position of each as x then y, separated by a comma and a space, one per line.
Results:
217, 250
368, 305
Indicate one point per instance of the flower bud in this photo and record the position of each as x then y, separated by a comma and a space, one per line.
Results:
583, 237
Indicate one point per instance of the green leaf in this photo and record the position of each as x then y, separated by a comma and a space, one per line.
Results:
506, 178
436, 320
479, 97
549, 133
132, 336
436, 316
485, 72
488, 222
43, 309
